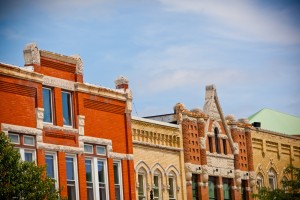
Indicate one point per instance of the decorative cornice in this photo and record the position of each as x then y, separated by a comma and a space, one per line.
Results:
120, 156
95, 140
179, 108
157, 146
62, 148
57, 82
22, 73
100, 91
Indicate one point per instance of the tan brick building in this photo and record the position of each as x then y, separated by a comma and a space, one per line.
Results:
272, 152
217, 151
158, 160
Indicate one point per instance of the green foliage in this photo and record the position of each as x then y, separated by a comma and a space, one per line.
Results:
290, 191
22, 180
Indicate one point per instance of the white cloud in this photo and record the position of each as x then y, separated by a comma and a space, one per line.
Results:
242, 19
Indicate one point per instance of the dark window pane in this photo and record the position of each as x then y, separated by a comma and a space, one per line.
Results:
66, 104
50, 166
88, 169
90, 193
116, 173
71, 192
101, 171
70, 169
47, 105
28, 156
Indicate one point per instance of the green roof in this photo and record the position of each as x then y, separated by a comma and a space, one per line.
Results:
276, 121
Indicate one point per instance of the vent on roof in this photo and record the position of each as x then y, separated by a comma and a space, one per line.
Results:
256, 124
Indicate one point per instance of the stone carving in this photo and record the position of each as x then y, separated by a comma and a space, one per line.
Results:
39, 118
63, 148
235, 148
252, 178
20, 129
230, 117
31, 54
60, 128
244, 120
121, 80
205, 173
81, 123
188, 173
120, 156
79, 64
57, 82
94, 140
202, 142
238, 178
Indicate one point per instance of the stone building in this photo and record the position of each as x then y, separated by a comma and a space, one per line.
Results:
217, 151
81, 131
275, 146
158, 159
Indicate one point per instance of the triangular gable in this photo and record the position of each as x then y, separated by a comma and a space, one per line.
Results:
213, 109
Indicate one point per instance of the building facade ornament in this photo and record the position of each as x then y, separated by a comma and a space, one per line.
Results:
31, 54
57, 82
39, 118
81, 123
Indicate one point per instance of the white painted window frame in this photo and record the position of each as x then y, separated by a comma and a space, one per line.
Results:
55, 164
75, 172
119, 163
71, 107
51, 104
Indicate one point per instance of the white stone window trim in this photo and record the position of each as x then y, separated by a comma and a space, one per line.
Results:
119, 163
14, 134
75, 173
55, 164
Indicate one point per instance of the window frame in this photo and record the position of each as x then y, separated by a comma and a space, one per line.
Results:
173, 177
51, 105
75, 169
142, 173
119, 168
55, 167
217, 141
157, 174
70, 107
272, 176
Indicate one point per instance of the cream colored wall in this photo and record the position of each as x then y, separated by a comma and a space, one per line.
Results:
162, 151
273, 150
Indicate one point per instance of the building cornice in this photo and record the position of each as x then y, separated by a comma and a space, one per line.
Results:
156, 146
143, 121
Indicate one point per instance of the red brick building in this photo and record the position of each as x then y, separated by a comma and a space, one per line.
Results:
81, 131
217, 151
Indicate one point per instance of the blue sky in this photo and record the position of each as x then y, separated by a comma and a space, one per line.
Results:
170, 49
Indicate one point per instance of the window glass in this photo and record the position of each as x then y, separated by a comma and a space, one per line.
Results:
210, 144
71, 182
141, 187
259, 181
171, 189
224, 146
195, 186
226, 189
67, 109
89, 179
156, 187
28, 156
212, 188
29, 140
88, 148
47, 102
101, 178
217, 140
272, 179
101, 150
50, 165
14, 138
117, 180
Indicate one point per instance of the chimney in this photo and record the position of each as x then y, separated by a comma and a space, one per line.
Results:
121, 83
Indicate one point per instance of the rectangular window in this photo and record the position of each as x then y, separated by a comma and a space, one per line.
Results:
243, 190
172, 188
67, 108
71, 177
156, 187
14, 138
89, 179
47, 102
101, 150
195, 186
51, 163
88, 148
102, 179
141, 192
210, 144
29, 155
224, 147
118, 180
212, 189
226, 188
29, 140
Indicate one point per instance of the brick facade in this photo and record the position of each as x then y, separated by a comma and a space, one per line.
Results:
98, 117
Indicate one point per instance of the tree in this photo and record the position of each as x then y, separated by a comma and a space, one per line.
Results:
290, 190
22, 180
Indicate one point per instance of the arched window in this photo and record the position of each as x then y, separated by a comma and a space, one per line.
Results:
259, 181
272, 179
142, 184
172, 186
157, 185
216, 131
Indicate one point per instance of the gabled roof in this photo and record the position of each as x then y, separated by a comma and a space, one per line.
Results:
277, 121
